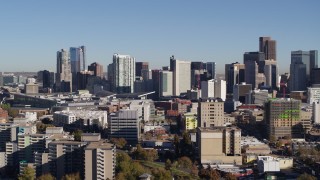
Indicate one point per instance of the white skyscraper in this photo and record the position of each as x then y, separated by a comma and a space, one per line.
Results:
207, 89
63, 74
220, 89
166, 83
181, 77
124, 73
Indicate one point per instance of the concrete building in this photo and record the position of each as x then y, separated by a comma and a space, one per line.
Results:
281, 116
65, 157
28, 144
268, 47
251, 73
63, 73
272, 164
124, 68
219, 145
181, 76
210, 112
125, 124
257, 96
99, 161
220, 89
166, 83
32, 88
271, 74
11, 153
41, 163
8, 133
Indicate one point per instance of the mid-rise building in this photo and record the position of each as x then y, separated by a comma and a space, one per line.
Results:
65, 157
313, 94
125, 124
210, 112
140, 66
219, 145
28, 144
8, 133
240, 91
189, 121
282, 115
99, 161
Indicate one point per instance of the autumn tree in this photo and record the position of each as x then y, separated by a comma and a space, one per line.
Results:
119, 142
46, 177
306, 176
161, 174
28, 173
185, 162
168, 164
230, 176
72, 176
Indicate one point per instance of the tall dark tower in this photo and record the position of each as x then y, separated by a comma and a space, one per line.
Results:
268, 46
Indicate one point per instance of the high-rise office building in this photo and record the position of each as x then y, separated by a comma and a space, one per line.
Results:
166, 83
181, 76
123, 73
268, 47
251, 73
207, 89
271, 73
281, 116
240, 91
141, 66
315, 76
220, 89
211, 70
82, 78
299, 70
156, 83
258, 57
78, 63
63, 74
234, 74
97, 69
99, 161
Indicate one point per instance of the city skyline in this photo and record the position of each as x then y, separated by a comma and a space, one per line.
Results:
153, 31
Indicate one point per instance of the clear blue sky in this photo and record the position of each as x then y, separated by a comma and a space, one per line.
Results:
31, 32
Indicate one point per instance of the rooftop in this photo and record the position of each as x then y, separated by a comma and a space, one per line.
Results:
100, 144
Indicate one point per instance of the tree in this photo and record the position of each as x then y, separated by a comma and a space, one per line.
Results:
28, 173
168, 164
143, 154
119, 142
161, 174
41, 127
185, 162
46, 177
72, 176
306, 176
194, 171
77, 134
230, 176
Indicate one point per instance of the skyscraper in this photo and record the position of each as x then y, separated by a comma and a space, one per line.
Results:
269, 48
63, 74
211, 69
97, 69
166, 83
258, 57
78, 62
299, 70
123, 73
271, 73
234, 74
181, 76
141, 66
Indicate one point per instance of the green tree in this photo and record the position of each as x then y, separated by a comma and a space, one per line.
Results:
185, 162
306, 176
143, 154
77, 134
194, 171
72, 176
46, 177
28, 173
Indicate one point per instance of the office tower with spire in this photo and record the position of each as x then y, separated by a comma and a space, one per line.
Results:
63, 74
123, 73
268, 47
